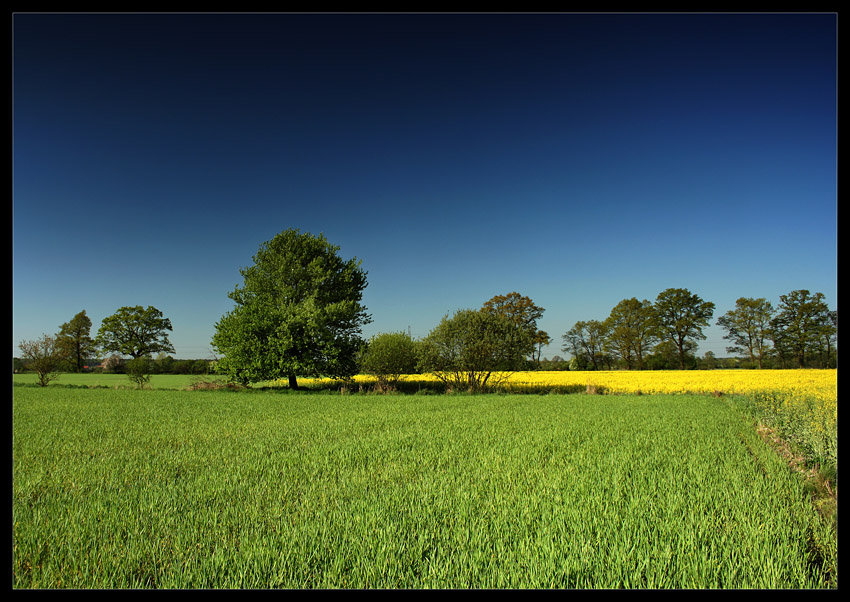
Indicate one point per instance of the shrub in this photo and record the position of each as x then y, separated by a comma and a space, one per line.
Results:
44, 357
139, 370
387, 357
474, 350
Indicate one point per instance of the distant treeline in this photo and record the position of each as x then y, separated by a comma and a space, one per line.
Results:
667, 362
116, 365
801, 332
501, 336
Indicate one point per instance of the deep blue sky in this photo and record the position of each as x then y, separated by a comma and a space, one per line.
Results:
577, 159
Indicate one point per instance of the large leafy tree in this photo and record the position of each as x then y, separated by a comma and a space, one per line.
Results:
470, 349
75, 341
631, 331
519, 309
803, 321
680, 318
522, 312
748, 328
135, 331
298, 313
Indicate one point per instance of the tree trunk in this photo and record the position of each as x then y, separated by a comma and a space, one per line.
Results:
293, 382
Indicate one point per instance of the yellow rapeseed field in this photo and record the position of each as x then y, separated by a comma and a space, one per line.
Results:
821, 384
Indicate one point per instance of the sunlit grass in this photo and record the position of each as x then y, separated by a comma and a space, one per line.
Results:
123, 489
801, 404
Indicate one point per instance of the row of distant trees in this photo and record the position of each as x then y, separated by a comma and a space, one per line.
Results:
138, 332
801, 332
472, 348
300, 313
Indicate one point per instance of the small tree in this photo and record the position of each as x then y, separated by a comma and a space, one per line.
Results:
587, 341
44, 357
666, 355
470, 349
541, 339
165, 363
139, 370
137, 332
389, 356
709, 361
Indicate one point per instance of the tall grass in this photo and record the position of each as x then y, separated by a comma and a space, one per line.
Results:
168, 489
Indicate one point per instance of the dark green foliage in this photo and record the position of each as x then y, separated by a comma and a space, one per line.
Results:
747, 327
587, 341
139, 370
523, 313
803, 327
75, 342
299, 313
666, 355
388, 356
473, 349
135, 331
631, 331
681, 317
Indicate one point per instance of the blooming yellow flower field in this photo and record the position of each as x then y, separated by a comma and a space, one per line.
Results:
821, 384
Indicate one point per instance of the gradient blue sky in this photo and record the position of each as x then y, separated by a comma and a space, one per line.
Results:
577, 159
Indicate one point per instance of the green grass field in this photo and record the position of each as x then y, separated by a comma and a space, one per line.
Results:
178, 489
112, 381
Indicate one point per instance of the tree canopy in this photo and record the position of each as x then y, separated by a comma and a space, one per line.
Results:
587, 341
471, 349
517, 308
631, 331
523, 314
748, 327
802, 323
680, 317
298, 313
75, 341
135, 331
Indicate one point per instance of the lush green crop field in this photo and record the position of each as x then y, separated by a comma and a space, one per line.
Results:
178, 489
112, 381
